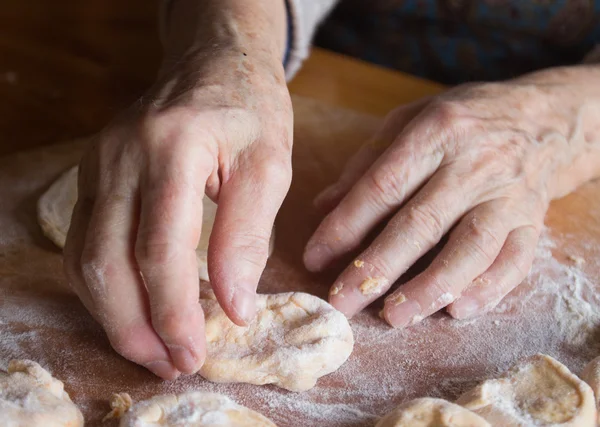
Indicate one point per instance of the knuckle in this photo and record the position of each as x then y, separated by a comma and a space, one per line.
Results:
386, 186
153, 251
338, 233
377, 265
428, 222
253, 248
169, 324
484, 240
275, 171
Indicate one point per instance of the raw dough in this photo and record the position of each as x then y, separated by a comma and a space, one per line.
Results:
30, 397
294, 339
55, 208
538, 391
591, 375
430, 412
194, 409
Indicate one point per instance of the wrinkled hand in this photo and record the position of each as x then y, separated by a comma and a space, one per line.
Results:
480, 162
224, 128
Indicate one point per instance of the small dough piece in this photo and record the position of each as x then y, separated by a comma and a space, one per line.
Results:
430, 412
119, 404
55, 208
294, 339
194, 409
591, 375
31, 397
538, 391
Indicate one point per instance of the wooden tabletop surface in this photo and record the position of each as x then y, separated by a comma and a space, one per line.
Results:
67, 67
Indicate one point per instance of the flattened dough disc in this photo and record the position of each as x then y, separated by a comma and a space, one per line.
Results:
31, 397
194, 409
536, 391
55, 208
430, 412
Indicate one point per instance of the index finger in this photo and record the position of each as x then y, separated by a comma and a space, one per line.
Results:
239, 243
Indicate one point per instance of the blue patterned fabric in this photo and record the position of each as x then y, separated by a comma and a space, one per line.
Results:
454, 41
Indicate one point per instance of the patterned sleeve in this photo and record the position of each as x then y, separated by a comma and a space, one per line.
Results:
303, 18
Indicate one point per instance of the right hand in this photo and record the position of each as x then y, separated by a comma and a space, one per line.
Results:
221, 125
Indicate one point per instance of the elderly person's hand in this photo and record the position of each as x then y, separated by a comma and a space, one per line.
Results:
480, 162
218, 120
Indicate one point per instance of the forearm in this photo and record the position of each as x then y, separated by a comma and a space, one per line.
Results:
207, 27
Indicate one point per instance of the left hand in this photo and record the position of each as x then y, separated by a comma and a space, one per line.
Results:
482, 160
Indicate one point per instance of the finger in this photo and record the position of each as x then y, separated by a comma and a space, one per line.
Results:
472, 248
169, 231
115, 285
409, 235
397, 174
506, 273
360, 162
239, 243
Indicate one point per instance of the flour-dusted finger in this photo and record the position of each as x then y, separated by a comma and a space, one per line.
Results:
404, 167
411, 233
171, 193
239, 243
508, 270
472, 247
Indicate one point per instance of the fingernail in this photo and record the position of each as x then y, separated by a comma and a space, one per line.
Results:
316, 256
401, 315
244, 304
184, 359
464, 307
163, 369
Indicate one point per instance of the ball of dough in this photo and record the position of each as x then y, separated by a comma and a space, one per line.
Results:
294, 339
31, 397
55, 208
430, 412
591, 375
194, 409
537, 391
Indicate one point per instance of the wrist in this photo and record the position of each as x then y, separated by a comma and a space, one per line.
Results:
567, 106
201, 29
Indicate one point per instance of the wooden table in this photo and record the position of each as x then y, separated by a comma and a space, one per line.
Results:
66, 67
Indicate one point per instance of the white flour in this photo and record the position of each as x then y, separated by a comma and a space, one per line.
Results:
555, 312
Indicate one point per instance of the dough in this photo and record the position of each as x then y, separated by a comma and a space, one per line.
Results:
591, 375
194, 409
30, 397
430, 412
538, 391
55, 208
294, 339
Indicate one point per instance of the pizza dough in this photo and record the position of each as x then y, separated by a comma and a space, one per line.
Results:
591, 375
430, 412
31, 397
539, 391
294, 339
55, 208
194, 409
